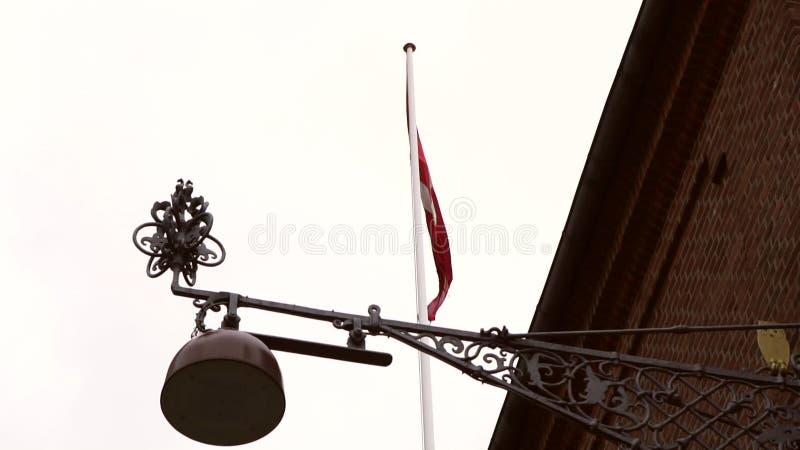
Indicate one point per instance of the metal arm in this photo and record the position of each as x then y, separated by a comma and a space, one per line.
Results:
638, 402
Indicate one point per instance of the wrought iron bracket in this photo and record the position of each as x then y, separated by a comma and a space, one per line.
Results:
640, 403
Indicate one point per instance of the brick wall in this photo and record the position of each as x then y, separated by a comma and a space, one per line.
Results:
737, 259
729, 250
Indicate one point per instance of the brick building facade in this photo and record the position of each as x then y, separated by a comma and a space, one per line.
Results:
688, 208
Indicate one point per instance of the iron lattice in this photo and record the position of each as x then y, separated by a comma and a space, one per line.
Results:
641, 403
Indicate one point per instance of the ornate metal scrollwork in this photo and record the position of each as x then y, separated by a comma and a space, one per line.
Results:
181, 228
639, 402
203, 307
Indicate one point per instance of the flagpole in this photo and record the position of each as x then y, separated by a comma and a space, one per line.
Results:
419, 262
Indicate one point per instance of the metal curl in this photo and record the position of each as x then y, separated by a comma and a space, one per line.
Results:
213, 304
499, 363
220, 257
456, 346
142, 243
156, 268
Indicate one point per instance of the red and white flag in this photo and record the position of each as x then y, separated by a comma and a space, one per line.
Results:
440, 244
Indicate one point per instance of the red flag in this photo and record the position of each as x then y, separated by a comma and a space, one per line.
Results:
440, 244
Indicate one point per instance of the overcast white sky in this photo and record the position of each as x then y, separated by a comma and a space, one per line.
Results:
288, 116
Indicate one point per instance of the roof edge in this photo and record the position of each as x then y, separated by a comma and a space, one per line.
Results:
636, 62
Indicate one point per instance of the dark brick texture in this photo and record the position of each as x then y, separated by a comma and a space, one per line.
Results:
697, 211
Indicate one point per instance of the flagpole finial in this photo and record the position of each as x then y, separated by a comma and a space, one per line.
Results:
413, 47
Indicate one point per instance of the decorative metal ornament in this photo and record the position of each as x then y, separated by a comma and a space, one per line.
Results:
774, 348
180, 230
640, 403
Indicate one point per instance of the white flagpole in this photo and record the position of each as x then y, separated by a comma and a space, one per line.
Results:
419, 260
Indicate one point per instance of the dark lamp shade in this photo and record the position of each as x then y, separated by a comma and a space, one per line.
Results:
223, 387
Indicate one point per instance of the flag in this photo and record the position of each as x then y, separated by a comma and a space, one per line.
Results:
440, 244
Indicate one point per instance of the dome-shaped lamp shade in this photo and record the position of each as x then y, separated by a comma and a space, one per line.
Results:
224, 387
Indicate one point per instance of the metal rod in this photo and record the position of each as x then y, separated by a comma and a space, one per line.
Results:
320, 350
517, 341
675, 329
319, 314
330, 316
425, 395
